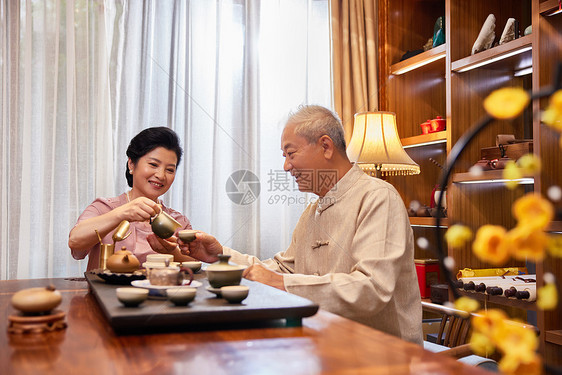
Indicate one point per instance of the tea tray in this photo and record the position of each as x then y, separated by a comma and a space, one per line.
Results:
264, 303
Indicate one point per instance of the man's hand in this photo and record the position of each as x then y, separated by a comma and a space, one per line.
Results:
266, 276
205, 247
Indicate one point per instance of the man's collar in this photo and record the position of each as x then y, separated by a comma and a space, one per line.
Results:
340, 188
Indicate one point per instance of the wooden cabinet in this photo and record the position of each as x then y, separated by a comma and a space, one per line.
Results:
448, 81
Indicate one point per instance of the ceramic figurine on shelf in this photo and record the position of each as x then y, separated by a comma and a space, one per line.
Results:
428, 45
486, 36
439, 32
510, 31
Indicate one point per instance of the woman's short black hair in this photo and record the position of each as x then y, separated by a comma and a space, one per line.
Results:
149, 139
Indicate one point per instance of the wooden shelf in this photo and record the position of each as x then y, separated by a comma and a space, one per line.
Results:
452, 84
554, 337
554, 226
548, 7
493, 176
500, 300
420, 60
427, 222
424, 139
518, 50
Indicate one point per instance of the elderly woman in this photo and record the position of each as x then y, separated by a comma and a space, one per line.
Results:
154, 154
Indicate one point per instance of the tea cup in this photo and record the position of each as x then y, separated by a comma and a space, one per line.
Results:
131, 297
194, 265
187, 235
235, 293
163, 225
181, 296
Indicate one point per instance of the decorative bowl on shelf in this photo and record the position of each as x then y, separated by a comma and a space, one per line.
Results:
426, 127
437, 124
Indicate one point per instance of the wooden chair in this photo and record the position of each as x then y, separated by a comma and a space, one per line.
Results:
454, 329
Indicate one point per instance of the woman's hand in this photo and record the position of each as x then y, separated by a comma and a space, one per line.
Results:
167, 246
139, 209
205, 247
162, 246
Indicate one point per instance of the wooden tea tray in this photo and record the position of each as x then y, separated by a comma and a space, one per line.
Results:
264, 303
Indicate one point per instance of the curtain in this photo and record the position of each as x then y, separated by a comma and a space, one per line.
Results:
80, 78
354, 58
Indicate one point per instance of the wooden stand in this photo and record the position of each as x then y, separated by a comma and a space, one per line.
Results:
20, 324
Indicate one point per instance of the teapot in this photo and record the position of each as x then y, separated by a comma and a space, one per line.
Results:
123, 261
169, 275
163, 225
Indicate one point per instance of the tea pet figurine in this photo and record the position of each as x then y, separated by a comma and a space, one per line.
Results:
36, 300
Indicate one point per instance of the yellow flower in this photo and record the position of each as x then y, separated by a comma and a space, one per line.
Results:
488, 321
514, 339
556, 101
552, 116
533, 210
525, 242
513, 365
555, 245
529, 164
481, 344
506, 103
457, 235
547, 297
467, 304
511, 172
486, 245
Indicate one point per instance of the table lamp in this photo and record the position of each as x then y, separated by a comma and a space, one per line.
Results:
375, 146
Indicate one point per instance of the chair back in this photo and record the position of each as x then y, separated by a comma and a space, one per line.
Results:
454, 328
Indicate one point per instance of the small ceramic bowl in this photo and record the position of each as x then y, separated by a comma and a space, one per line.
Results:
195, 266
131, 297
235, 293
181, 296
148, 265
159, 258
187, 235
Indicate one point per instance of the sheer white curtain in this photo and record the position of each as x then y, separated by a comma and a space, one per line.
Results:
81, 78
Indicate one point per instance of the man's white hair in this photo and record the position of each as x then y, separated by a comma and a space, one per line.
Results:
314, 121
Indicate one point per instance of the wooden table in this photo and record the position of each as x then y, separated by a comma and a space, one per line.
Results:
325, 344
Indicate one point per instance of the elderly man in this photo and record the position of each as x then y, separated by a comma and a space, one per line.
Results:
352, 250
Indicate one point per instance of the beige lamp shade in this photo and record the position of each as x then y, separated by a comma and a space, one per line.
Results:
375, 146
